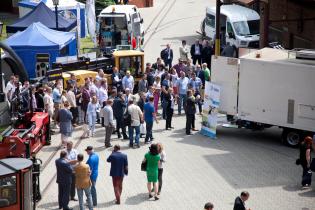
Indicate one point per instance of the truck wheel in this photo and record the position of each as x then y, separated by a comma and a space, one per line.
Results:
291, 137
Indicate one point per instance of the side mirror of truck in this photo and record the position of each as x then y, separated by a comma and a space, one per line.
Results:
231, 35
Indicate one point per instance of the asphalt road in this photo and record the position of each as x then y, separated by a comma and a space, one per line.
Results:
198, 169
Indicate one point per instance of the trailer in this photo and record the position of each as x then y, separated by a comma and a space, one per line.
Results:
269, 87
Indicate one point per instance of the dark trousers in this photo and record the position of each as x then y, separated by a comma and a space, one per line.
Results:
168, 62
72, 190
75, 112
190, 122
306, 176
148, 135
108, 132
197, 58
63, 195
160, 174
120, 125
117, 184
169, 116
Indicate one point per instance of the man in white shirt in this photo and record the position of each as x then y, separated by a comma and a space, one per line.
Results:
73, 104
136, 119
108, 122
10, 88
72, 159
48, 102
128, 82
183, 52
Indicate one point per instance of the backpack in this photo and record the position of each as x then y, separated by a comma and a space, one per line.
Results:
127, 118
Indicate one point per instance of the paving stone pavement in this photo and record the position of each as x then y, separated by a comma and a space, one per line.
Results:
198, 169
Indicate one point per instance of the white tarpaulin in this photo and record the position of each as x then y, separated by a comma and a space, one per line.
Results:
91, 19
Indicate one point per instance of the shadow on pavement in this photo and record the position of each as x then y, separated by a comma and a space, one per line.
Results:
247, 159
52, 205
310, 193
137, 199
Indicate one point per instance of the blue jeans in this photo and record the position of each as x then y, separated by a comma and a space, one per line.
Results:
182, 100
148, 135
130, 129
88, 195
93, 193
92, 121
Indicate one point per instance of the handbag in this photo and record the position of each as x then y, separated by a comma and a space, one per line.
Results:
144, 166
312, 166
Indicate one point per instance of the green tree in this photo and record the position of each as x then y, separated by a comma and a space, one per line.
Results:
100, 4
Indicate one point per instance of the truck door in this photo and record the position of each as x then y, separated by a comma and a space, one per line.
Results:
230, 35
224, 72
210, 25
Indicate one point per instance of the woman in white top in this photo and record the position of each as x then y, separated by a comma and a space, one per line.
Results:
92, 109
63, 98
157, 92
161, 162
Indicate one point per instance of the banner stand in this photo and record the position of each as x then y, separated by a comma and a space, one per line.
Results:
210, 110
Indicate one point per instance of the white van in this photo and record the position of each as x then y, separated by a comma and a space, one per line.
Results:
239, 26
118, 24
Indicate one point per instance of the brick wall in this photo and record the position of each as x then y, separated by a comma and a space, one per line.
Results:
141, 3
293, 33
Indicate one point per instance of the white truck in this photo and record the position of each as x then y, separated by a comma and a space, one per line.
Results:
118, 25
239, 26
269, 87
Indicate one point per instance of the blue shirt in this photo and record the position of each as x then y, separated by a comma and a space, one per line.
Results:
195, 84
93, 163
56, 95
182, 84
118, 162
148, 109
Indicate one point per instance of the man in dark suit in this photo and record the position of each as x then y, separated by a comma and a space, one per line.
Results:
190, 111
64, 174
118, 169
195, 51
167, 56
150, 75
119, 107
116, 79
239, 203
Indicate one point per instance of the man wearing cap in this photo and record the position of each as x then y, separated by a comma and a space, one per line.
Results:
136, 119
93, 163
119, 168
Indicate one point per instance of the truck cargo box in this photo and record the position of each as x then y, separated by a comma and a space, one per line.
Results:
273, 88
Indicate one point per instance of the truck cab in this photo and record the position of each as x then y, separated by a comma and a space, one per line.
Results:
119, 25
238, 25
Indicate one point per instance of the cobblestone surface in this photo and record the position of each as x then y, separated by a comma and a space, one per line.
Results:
199, 169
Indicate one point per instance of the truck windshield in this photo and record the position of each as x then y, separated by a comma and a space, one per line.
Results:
243, 28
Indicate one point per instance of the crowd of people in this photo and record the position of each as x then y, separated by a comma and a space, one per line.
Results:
123, 105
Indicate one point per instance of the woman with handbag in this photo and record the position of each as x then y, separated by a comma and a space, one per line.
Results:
305, 161
152, 159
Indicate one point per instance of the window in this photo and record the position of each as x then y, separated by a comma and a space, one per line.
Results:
243, 28
229, 28
210, 20
8, 191
133, 64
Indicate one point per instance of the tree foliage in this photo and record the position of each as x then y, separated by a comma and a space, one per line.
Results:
100, 4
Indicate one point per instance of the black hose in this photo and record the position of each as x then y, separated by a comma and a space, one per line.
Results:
21, 69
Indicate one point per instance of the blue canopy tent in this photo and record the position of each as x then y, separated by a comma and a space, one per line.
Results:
37, 40
44, 15
67, 7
